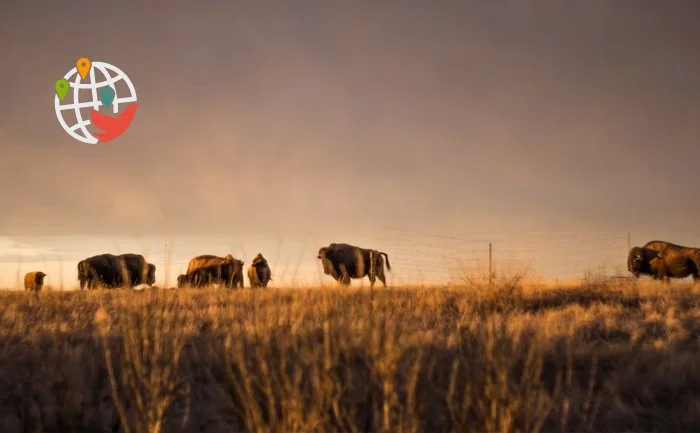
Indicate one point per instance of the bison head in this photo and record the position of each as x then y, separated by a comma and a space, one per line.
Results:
237, 274
638, 260
634, 261
84, 274
325, 254
259, 260
40, 277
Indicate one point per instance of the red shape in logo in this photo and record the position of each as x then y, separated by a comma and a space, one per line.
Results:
113, 127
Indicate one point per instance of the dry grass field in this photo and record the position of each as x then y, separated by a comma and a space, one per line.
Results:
515, 357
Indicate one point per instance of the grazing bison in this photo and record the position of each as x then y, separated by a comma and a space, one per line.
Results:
34, 281
207, 275
206, 260
671, 263
231, 269
99, 271
111, 271
344, 261
259, 273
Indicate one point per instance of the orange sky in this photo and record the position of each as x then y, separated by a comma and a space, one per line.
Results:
261, 118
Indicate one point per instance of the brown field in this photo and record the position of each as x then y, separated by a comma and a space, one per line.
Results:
598, 356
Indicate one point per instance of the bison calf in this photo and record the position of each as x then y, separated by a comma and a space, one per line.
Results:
34, 281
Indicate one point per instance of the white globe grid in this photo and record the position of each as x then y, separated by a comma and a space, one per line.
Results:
95, 103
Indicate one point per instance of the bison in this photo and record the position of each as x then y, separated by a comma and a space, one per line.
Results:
344, 261
661, 264
99, 271
34, 281
110, 271
231, 269
259, 273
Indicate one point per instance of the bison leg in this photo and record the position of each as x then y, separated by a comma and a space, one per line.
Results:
344, 276
372, 279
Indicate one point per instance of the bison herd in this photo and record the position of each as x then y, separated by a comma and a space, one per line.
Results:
659, 259
342, 262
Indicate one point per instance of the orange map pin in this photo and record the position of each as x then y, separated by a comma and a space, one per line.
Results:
83, 67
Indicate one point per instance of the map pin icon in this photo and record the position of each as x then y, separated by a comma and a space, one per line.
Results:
107, 96
83, 66
61, 87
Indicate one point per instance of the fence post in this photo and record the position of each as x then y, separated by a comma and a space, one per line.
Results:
490, 265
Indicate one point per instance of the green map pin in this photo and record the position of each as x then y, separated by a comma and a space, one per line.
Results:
62, 87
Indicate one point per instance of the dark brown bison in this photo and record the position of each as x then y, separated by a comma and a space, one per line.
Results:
34, 281
99, 271
672, 263
111, 271
344, 261
259, 273
661, 264
231, 269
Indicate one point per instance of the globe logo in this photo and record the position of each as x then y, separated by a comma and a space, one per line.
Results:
95, 102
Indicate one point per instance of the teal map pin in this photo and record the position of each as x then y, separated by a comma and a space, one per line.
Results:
107, 96
62, 87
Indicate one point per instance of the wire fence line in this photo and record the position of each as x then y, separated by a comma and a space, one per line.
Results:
415, 257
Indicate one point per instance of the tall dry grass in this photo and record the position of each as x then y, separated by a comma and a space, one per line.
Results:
506, 357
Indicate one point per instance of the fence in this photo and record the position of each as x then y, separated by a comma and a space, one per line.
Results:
415, 257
